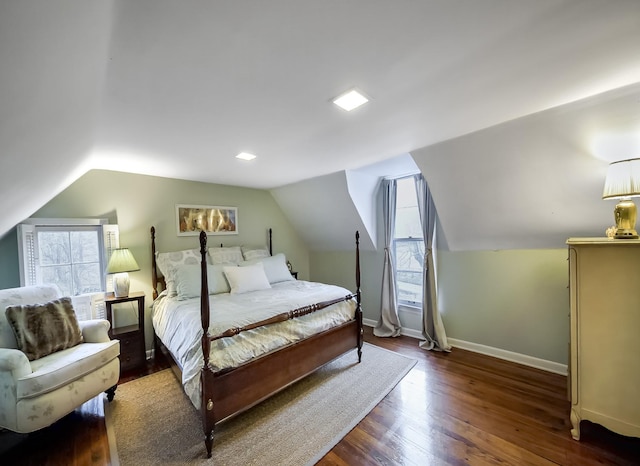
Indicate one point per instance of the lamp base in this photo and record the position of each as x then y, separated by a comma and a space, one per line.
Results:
626, 234
121, 285
625, 214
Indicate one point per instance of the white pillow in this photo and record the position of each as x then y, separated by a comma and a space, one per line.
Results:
275, 267
168, 261
253, 252
228, 255
245, 279
188, 280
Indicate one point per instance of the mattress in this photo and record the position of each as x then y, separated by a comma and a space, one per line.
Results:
178, 325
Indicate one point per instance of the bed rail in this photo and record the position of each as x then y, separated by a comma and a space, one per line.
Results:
301, 311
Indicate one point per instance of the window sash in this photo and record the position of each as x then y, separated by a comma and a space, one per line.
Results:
409, 280
88, 305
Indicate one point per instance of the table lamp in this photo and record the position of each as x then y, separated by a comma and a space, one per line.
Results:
121, 263
623, 182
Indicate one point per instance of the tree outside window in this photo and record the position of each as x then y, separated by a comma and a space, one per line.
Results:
408, 244
71, 259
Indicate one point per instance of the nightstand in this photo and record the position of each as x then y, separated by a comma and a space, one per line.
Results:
131, 337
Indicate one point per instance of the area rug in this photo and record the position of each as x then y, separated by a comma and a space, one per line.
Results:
154, 422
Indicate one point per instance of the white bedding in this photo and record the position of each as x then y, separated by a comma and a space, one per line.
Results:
178, 325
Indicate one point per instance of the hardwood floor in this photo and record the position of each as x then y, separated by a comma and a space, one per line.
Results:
452, 409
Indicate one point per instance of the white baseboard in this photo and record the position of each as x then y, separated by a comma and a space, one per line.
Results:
369, 322
549, 366
543, 364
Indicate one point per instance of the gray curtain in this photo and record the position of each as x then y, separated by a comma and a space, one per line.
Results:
432, 326
389, 323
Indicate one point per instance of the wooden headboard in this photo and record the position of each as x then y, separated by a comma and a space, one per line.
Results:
156, 277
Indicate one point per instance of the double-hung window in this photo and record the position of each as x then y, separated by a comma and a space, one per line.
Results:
70, 253
408, 245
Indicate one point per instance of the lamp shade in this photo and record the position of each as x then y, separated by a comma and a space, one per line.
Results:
623, 179
122, 261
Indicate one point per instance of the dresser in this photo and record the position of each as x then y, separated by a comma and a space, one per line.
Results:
604, 369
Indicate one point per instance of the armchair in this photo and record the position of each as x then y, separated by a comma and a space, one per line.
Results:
35, 394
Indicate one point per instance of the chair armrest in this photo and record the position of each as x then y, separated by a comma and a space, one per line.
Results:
14, 361
95, 331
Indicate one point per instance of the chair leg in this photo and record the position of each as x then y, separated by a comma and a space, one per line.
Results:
111, 392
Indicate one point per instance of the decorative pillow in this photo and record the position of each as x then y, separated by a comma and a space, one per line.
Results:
275, 268
168, 261
188, 282
228, 255
253, 252
42, 329
20, 295
245, 279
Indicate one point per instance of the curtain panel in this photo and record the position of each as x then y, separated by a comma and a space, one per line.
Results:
432, 327
389, 322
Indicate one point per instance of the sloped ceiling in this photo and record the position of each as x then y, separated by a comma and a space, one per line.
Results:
178, 88
535, 181
53, 58
327, 210
323, 212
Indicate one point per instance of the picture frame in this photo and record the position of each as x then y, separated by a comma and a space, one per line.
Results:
214, 220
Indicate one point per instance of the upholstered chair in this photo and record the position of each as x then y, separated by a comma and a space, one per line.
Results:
38, 389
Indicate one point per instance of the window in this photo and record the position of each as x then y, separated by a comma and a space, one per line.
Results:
70, 258
71, 253
408, 244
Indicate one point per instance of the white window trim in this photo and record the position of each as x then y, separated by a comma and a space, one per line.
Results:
413, 306
417, 309
403, 305
64, 222
87, 306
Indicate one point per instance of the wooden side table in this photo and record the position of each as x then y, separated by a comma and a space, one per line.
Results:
131, 337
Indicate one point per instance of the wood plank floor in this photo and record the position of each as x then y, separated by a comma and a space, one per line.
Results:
459, 408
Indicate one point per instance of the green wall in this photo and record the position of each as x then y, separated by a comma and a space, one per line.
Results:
516, 300
338, 268
136, 202
9, 265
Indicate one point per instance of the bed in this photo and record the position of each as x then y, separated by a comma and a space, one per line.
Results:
235, 343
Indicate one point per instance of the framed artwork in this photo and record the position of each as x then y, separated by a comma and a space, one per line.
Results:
214, 220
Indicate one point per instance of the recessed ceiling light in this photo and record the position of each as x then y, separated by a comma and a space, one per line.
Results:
245, 156
350, 100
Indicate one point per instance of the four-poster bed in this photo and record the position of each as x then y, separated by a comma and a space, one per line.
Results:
322, 329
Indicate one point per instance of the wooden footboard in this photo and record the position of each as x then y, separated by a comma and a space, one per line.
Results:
238, 390
229, 392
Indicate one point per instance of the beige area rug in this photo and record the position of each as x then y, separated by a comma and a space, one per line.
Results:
154, 422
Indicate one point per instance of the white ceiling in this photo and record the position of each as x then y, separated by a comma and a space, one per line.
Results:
177, 89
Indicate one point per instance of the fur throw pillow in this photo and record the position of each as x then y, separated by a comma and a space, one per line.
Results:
42, 329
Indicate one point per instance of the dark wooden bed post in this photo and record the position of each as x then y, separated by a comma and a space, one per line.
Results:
206, 405
358, 298
270, 243
154, 273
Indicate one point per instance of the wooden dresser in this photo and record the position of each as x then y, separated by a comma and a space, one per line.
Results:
604, 280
